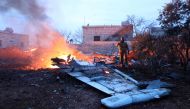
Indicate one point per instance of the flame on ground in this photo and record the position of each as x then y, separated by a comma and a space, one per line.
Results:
51, 44
58, 48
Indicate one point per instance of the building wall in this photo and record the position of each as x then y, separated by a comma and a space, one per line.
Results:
104, 32
13, 40
100, 47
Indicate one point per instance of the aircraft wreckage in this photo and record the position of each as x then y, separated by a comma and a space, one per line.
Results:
123, 89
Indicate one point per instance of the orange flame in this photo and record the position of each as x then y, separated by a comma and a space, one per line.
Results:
50, 44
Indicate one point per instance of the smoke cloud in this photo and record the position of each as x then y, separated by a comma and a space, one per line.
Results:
29, 8
48, 42
36, 20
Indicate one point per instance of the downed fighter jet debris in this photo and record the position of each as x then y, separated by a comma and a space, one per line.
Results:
124, 90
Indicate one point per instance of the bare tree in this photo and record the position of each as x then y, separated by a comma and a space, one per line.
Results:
140, 25
136, 22
78, 36
75, 37
66, 34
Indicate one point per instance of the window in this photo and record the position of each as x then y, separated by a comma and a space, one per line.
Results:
96, 38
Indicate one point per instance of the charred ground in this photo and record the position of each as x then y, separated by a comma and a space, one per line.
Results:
49, 89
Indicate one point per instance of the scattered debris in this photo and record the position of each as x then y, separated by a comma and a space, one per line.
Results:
132, 97
122, 88
156, 84
16, 89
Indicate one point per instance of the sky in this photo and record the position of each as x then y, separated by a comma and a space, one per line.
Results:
71, 15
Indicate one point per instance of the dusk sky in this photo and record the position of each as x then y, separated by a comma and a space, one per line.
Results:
70, 15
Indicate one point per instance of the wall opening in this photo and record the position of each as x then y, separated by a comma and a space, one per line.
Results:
96, 38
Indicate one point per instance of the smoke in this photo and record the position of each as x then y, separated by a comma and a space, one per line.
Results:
36, 25
28, 8
48, 42
36, 21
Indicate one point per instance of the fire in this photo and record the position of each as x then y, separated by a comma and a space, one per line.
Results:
40, 57
52, 44
49, 44
53, 67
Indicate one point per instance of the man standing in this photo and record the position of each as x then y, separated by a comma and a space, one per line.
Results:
123, 51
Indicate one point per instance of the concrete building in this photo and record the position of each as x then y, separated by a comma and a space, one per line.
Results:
10, 39
103, 39
107, 33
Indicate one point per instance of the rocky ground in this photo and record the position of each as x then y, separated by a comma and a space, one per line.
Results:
48, 89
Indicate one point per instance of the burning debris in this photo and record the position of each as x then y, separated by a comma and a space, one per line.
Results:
58, 61
45, 41
98, 70
14, 58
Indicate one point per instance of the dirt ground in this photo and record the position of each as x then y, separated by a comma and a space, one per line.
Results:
48, 89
